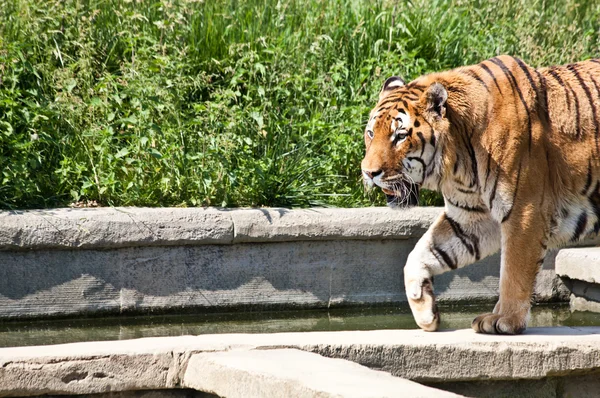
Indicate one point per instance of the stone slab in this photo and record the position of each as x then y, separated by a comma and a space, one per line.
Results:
152, 363
580, 263
292, 373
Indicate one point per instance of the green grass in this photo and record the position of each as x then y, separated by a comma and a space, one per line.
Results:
232, 103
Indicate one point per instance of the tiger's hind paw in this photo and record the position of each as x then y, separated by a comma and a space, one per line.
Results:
499, 324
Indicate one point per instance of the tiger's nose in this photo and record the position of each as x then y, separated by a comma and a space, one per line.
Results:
372, 174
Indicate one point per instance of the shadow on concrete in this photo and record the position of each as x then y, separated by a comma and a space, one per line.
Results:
286, 274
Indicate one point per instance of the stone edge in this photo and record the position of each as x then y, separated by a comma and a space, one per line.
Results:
155, 363
104, 228
573, 263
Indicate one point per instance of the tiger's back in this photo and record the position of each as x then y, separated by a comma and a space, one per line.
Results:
556, 112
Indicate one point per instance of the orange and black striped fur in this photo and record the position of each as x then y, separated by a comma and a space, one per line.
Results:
514, 151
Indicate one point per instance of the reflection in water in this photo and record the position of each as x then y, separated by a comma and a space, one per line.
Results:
120, 328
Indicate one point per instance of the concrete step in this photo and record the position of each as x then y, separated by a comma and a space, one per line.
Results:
71, 262
580, 269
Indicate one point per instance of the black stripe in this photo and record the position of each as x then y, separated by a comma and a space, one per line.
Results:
463, 190
475, 209
432, 139
456, 89
588, 94
580, 227
493, 195
525, 70
420, 135
556, 77
594, 199
382, 109
474, 168
577, 115
424, 168
595, 85
463, 132
475, 76
595, 61
588, 181
515, 86
394, 99
471, 242
489, 71
507, 215
431, 166
487, 172
544, 94
417, 159
598, 94
445, 258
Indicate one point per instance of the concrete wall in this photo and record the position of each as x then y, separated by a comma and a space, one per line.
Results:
133, 260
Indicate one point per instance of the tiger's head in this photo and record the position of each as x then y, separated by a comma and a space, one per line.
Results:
402, 138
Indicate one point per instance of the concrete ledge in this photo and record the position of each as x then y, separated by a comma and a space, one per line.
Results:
133, 227
112, 227
581, 269
294, 373
279, 225
161, 363
582, 264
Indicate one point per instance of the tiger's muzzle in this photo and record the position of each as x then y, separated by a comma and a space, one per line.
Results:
404, 195
398, 191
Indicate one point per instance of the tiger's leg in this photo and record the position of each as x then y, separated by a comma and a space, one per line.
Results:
523, 250
455, 239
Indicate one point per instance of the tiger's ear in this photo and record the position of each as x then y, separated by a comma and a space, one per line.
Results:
434, 99
390, 84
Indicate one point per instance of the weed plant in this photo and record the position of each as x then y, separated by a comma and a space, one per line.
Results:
233, 103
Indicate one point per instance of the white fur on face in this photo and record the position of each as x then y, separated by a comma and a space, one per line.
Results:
401, 120
371, 122
368, 180
414, 168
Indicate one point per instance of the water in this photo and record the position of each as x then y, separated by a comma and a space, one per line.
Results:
120, 328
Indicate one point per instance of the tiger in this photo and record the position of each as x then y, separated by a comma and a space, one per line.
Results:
514, 151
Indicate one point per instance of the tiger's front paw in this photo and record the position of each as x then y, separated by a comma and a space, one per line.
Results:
500, 324
422, 303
